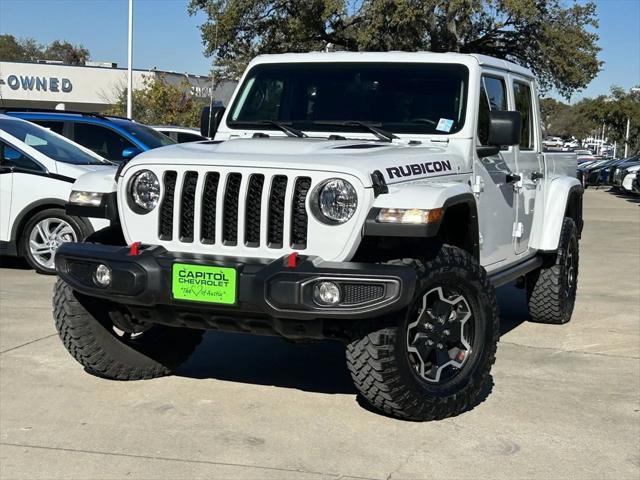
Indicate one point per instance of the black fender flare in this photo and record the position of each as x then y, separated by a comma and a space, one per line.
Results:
429, 230
34, 207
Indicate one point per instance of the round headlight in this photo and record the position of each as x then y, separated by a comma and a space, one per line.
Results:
337, 201
145, 190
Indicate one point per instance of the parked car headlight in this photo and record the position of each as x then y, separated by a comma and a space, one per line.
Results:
144, 190
89, 199
335, 201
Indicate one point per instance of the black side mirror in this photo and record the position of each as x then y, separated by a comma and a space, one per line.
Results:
504, 129
210, 118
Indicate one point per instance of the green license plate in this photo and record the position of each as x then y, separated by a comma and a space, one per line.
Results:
203, 283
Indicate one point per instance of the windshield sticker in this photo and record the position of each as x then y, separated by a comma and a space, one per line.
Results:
419, 169
445, 125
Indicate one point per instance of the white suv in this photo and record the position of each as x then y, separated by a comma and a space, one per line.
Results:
37, 170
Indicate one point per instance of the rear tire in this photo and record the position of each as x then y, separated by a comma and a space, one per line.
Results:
394, 369
551, 290
87, 329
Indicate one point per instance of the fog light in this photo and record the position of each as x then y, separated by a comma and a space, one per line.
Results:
102, 275
326, 293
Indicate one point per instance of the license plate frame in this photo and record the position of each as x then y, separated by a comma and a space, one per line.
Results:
212, 284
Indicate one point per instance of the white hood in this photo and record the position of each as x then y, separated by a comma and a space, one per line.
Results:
398, 161
98, 178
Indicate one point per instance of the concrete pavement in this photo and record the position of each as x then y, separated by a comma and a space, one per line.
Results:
565, 401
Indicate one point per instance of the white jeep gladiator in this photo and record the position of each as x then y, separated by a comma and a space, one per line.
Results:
372, 198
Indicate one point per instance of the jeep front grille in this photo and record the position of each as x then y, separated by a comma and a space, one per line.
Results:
246, 192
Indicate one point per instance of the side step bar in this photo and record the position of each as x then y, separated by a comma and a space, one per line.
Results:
509, 274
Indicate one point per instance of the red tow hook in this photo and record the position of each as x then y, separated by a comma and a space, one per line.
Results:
292, 260
134, 249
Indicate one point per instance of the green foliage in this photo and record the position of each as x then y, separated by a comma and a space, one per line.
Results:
64, 51
554, 40
28, 50
161, 103
587, 117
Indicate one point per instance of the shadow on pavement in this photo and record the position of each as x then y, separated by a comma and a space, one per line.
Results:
629, 197
314, 367
16, 263
513, 307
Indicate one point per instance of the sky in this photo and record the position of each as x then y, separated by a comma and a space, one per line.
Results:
167, 38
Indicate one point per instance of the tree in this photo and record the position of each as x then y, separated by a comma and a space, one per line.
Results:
67, 53
587, 117
161, 103
554, 40
14, 50
28, 50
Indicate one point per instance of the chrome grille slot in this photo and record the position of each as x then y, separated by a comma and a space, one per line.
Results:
187, 206
276, 211
299, 216
165, 227
230, 209
253, 210
209, 201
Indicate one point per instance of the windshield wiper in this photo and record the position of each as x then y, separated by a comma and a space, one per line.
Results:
289, 131
370, 127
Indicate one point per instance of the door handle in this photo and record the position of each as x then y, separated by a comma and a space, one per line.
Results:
513, 178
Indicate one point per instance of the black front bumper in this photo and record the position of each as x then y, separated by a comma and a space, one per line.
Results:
271, 295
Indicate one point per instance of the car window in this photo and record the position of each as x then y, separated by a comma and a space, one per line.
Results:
188, 137
15, 159
523, 101
57, 127
148, 136
46, 142
492, 98
401, 98
102, 140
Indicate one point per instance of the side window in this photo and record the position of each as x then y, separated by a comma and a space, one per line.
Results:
104, 141
522, 96
16, 159
493, 96
57, 127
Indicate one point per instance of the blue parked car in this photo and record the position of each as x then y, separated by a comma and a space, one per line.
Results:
114, 138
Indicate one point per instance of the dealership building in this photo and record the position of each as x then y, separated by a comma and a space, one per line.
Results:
92, 87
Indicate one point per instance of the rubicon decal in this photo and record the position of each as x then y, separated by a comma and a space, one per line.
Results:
419, 169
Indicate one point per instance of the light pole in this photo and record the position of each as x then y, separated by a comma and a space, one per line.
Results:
130, 66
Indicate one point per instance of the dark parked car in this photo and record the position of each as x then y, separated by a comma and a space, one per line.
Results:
114, 138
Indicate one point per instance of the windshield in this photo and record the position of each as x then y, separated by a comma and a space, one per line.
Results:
401, 98
150, 137
47, 143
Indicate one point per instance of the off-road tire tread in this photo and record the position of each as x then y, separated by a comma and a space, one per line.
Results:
73, 323
372, 362
545, 292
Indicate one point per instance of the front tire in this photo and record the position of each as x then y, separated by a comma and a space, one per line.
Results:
434, 360
108, 344
43, 234
551, 290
